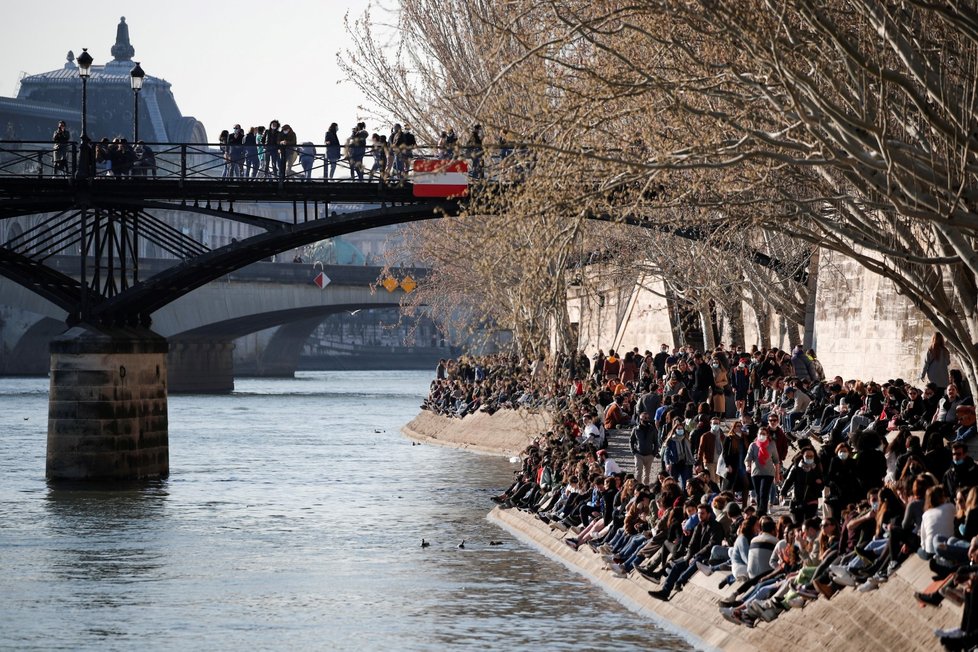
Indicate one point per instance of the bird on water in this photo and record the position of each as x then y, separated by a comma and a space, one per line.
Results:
424, 544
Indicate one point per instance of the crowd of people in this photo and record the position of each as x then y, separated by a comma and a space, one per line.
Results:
116, 158
750, 465
273, 152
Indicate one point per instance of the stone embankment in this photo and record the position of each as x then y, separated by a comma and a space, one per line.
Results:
889, 618
506, 432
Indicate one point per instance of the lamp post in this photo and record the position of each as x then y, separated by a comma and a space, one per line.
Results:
136, 80
84, 71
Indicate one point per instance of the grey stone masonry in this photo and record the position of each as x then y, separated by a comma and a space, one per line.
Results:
107, 409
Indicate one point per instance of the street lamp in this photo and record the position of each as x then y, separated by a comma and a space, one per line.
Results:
84, 71
136, 80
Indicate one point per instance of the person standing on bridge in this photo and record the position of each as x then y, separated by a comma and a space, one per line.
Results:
406, 150
222, 145
236, 152
61, 139
260, 149
474, 150
333, 150
271, 144
288, 151
307, 158
356, 150
251, 153
380, 153
394, 140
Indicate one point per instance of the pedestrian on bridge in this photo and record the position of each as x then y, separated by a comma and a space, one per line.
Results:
474, 150
288, 151
380, 151
61, 139
236, 152
271, 146
307, 158
356, 147
252, 161
333, 150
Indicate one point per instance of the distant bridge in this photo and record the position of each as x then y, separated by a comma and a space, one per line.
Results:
202, 325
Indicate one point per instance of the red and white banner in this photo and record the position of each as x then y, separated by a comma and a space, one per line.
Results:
440, 178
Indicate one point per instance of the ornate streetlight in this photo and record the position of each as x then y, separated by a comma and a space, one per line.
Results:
136, 80
85, 71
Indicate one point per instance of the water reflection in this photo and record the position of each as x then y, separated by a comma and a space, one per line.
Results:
111, 534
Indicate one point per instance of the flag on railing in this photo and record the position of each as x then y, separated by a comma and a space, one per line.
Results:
440, 178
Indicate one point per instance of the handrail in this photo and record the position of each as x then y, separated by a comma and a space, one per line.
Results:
239, 162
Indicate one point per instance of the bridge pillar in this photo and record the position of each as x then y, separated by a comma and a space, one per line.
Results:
107, 412
201, 366
280, 357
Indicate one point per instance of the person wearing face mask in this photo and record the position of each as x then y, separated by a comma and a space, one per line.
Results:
805, 483
288, 150
740, 384
678, 454
721, 383
734, 451
643, 443
764, 465
841, 483
708, 449
966, 432
963, 471
236, 152
270, 143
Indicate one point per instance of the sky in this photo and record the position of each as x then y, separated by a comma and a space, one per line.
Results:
238, 61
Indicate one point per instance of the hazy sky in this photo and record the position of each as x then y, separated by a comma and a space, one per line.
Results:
244, 61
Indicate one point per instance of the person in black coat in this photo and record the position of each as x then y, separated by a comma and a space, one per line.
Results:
805, 483
702, 379
840, 478
870, 464
963, 471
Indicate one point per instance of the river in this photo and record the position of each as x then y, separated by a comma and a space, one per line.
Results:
292, 518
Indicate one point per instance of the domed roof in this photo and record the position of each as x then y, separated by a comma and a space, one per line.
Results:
110, 98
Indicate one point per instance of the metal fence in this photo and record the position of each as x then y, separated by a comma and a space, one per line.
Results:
210, 161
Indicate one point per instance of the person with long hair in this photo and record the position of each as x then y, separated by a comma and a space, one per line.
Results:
936, 363
334, 150
733, 454
764, 466
937, 521
721, 384
678, 456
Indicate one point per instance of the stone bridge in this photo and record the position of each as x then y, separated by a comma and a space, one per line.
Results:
202, 326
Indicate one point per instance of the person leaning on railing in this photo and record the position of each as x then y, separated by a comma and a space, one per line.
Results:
145, 160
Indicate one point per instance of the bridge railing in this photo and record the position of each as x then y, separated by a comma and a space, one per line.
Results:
243, 163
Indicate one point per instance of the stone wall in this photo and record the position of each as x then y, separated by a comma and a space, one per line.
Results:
863, 328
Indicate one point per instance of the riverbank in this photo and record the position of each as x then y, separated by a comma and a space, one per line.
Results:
506, 432
889, 618
886, 619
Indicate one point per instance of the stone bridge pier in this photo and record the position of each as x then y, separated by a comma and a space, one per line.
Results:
107, 407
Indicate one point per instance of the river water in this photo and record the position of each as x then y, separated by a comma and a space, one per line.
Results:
292, 518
